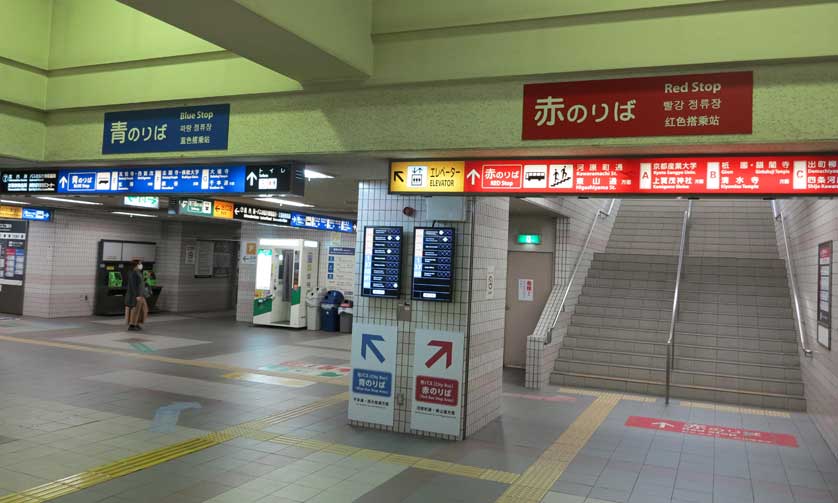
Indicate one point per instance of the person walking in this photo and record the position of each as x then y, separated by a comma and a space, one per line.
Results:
136, 307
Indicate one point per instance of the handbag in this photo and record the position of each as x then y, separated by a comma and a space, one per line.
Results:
147, 292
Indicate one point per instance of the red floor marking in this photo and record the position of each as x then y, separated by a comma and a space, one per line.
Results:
707, 430
551, 398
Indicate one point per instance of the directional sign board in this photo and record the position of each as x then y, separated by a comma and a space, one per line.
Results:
321, 223
437, 383
373, 373
275, 178
28, 182
708, 430
264, 215
798, 175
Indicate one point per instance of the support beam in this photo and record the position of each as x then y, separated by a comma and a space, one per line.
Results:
317, 41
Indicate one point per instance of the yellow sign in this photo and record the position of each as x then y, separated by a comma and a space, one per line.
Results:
11, 212
223, 209
438, 177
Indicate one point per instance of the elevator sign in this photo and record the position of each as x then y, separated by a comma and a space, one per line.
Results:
797, 175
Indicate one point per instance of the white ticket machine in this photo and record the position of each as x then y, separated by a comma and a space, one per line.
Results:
286, 271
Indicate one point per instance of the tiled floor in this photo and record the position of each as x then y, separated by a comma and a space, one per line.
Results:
65, 408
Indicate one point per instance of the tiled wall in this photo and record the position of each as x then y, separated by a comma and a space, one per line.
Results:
808, 223
481, 394
572, 229
251, 232
62, 254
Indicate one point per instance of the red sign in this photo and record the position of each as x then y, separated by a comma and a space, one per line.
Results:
437, 390
713, 103
734, 175
706, 430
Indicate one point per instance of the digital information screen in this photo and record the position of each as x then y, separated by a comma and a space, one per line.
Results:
382, 266
433, 264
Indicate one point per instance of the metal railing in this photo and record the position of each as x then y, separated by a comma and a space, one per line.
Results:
683, 250
599, 213
778, 216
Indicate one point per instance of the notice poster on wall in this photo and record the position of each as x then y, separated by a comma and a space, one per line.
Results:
373, 373
204, 259
340, 269
437, 382
526, 288
12, 252
825, 294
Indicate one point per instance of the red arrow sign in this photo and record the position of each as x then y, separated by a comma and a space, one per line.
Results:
445, 348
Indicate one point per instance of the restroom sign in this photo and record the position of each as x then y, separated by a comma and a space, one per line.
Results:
373, 373
437, 383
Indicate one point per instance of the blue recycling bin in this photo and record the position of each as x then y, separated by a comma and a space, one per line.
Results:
329, 317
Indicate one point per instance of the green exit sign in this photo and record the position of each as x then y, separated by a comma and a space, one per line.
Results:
529, 239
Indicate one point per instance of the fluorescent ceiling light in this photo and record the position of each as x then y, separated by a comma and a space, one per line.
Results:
280, 242
284, 202
130, 214
6, 201
312, 175
74, 201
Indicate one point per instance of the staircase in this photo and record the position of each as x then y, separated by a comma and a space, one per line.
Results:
735, 339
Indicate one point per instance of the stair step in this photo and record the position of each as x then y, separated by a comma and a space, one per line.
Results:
693, 327
786, 345
682, 362
685, 316
691, 392
686, 306
658, 348
686, 377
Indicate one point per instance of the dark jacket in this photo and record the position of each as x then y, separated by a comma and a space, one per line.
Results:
135, 288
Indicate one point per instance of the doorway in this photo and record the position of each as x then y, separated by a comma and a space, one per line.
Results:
529, 281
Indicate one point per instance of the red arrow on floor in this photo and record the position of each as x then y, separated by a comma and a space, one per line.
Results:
445, 348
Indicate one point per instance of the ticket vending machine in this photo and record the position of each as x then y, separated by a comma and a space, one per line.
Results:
286, 271
112, 274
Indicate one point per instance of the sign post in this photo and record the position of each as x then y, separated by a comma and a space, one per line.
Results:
437, 385
373, 373
825, 294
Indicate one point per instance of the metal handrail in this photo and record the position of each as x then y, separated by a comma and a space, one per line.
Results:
778, 216
682, 252
600, 213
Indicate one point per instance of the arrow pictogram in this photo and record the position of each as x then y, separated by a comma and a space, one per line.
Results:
472, 175
397, 176
445, 348
367, 341
251, 177
663, 425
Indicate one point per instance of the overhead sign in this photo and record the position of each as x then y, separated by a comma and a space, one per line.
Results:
798, 175
152, 202
28, 182
19, 213
276, 178
381, 272
825, 294
437, 384
373, 373
321, 223
223, 209
264, 215
203, 127
15, 212
433, 264
699, 104
427, 176
707, 430
195, 207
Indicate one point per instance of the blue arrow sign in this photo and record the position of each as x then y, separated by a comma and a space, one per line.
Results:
367, 340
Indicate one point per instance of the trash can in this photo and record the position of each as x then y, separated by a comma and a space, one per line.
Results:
329, 319
312, 311
345, 313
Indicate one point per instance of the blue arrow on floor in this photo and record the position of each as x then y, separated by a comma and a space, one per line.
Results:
166, 417
367, 340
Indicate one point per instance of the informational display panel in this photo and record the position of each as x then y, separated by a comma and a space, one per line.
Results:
701, 104
12, 252
437, 383
29, 182
340, 269
381, 274
203, 127
433, 264
321, 223
797, 175
373, 373
825, 294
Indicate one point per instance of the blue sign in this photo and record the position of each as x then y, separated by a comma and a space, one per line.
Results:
36, 214
372, 382
203, 127
321, 223
154, 180
341, 250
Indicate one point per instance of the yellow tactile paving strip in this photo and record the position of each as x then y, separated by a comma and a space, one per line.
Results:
735, 409
595, 393
177, 361
99, 474
263, 379
534, 483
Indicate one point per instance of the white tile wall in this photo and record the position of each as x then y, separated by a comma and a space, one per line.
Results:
808, 223
572, 229
481, 393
